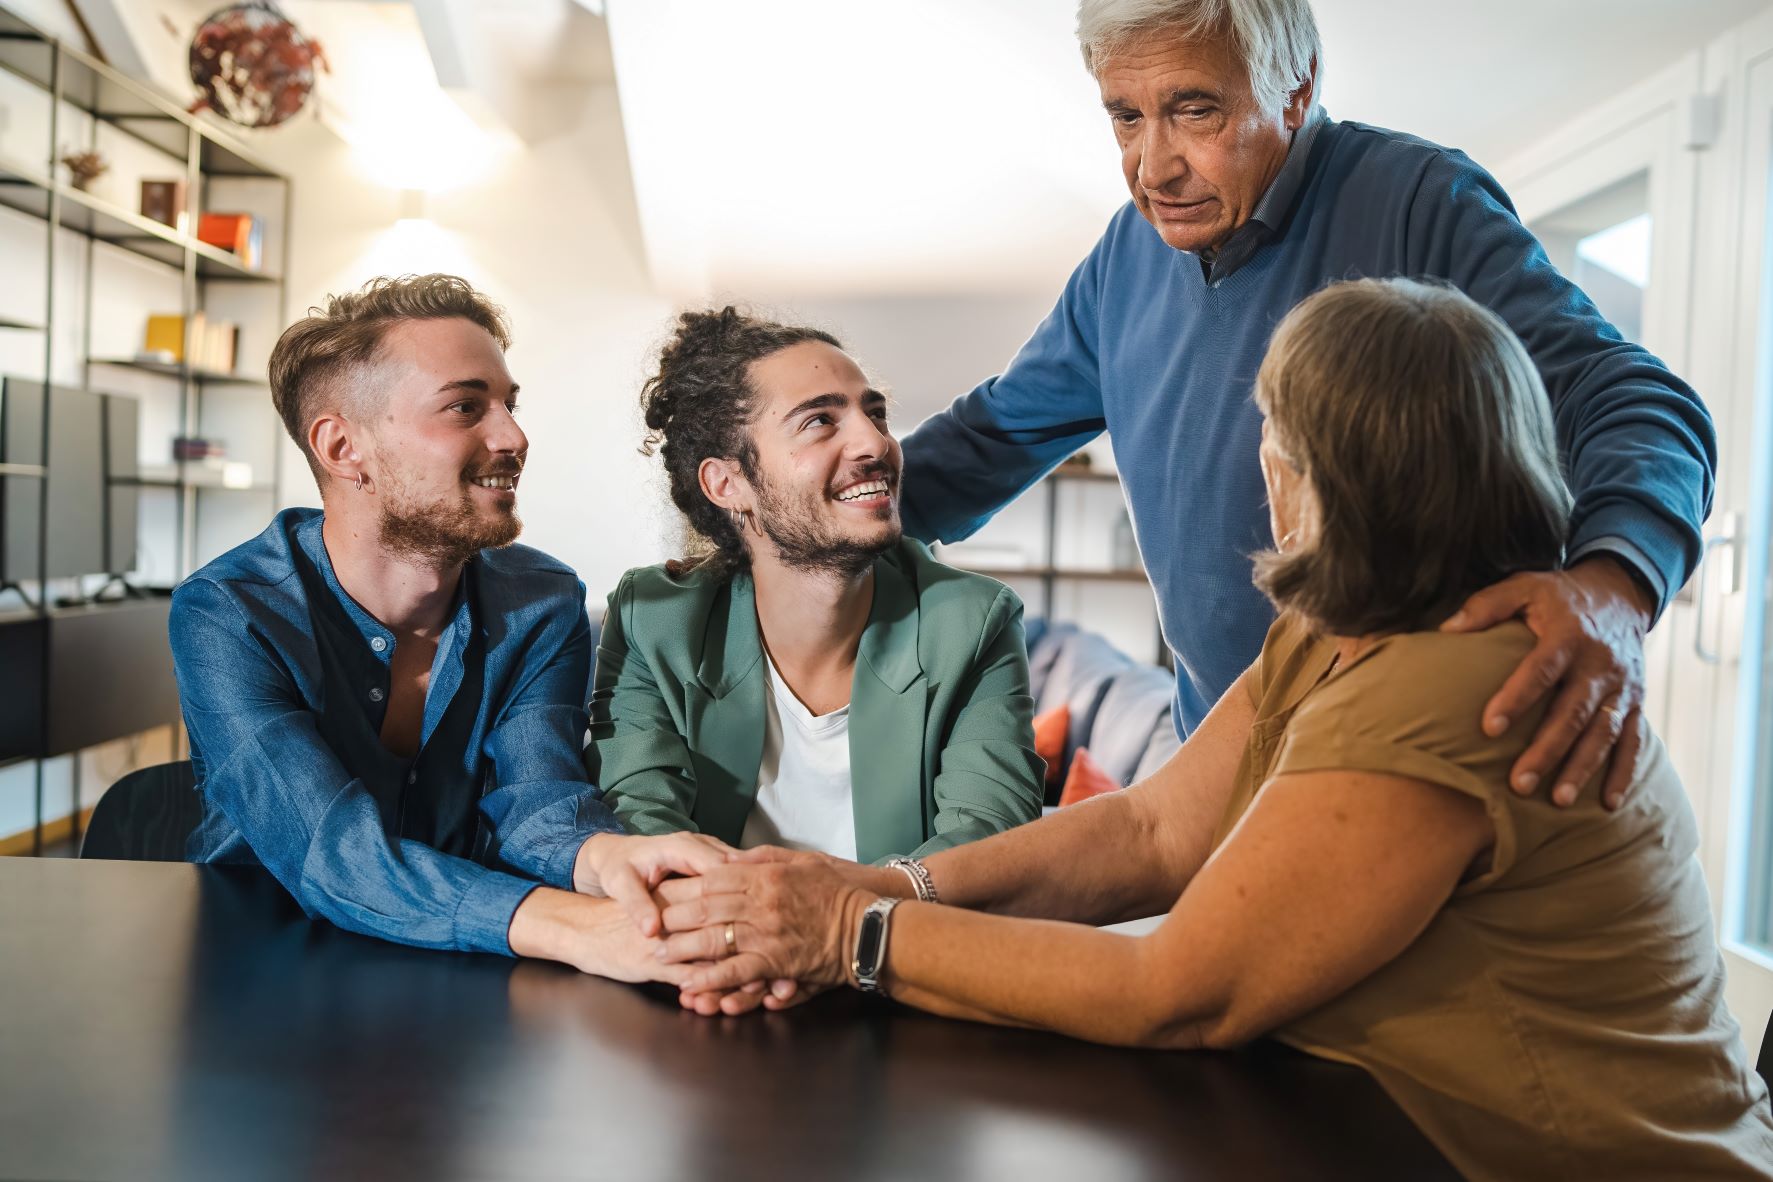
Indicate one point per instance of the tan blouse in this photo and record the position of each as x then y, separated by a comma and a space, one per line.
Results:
1563, 1016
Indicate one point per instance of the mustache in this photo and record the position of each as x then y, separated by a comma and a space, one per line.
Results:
878, 469
510, 467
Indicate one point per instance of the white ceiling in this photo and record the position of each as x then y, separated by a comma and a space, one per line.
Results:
800, 147
516, 64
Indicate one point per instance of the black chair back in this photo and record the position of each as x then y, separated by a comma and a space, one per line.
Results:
146, 816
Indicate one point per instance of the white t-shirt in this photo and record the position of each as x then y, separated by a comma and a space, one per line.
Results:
803, 782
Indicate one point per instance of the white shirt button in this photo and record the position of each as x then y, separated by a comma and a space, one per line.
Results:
379, 643
376, 695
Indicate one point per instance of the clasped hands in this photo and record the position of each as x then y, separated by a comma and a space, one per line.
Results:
734, 930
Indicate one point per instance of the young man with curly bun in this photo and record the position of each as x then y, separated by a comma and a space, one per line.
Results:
810, 678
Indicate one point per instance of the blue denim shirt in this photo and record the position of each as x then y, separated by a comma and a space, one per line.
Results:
283, 680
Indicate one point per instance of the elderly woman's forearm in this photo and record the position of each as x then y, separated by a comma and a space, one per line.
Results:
1096, 862
1127, 855
1067, 978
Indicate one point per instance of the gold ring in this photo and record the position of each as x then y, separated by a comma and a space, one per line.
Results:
732, 940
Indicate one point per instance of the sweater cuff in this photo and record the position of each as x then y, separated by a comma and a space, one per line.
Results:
483, 918
1636, 564
1656, 550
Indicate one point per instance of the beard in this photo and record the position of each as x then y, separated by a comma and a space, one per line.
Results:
794, 520
442, 529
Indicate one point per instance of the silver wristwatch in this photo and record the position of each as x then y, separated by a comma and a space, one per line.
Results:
871, 944
919, 874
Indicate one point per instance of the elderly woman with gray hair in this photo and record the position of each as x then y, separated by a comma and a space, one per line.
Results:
1344, 865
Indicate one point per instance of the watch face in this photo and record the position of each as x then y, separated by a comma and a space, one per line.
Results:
868, 943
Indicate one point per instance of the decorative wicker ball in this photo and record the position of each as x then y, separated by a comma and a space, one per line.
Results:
252, 66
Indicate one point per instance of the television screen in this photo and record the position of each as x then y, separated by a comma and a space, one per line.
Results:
21, 493
87, 496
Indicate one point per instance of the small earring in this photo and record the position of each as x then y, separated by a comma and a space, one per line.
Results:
359, 481
740, 517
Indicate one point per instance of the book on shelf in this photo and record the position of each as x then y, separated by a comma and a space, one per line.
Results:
240, 233
164, 201
195, 447
214, 343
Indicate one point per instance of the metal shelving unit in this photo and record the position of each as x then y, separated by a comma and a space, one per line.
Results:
167, 369
1050, 575
82, 96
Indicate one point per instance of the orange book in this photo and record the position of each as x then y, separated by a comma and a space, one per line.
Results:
230, 231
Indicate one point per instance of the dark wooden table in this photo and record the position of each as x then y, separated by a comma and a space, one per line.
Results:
178, 1022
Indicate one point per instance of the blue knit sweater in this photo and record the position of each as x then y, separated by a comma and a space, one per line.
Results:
1143, 346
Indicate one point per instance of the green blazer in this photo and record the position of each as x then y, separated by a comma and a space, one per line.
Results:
941, 721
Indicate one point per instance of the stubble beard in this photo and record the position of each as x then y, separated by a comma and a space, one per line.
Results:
444, 531
794, 523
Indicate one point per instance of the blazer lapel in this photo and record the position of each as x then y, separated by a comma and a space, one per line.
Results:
888, 701
725, 714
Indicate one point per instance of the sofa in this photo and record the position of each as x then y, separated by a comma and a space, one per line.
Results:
1119, 707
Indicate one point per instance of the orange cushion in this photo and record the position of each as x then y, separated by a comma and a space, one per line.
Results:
1050, 730
1086, 779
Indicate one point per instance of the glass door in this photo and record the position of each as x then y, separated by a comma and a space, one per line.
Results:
1734, 587
1613, 208
1602, 240
1657, 206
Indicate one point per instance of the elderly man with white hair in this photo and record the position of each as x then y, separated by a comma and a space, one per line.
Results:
1247, 198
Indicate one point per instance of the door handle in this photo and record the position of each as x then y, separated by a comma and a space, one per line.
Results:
1726, 536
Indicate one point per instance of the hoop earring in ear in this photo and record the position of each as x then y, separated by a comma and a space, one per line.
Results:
359, 481
741, 519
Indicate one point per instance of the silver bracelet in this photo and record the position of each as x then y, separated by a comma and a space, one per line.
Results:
919, 874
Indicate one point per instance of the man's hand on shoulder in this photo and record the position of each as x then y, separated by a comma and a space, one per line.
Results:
1590, 622
628, 869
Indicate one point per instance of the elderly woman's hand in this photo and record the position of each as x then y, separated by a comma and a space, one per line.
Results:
792, 918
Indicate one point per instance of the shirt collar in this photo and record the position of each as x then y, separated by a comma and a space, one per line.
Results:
1272, 207
312, 540
1278, 199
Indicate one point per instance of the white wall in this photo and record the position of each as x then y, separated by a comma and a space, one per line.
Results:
926, 348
